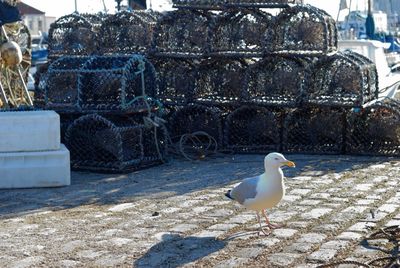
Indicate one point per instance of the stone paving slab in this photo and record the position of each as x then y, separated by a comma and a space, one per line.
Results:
176, 215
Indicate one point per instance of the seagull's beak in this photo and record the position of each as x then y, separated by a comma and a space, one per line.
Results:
289, 164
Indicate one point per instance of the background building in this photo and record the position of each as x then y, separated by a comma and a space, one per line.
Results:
36, 20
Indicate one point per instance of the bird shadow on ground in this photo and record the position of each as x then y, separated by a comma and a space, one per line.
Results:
175, 250
172, 179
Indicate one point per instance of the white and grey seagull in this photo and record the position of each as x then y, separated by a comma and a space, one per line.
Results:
264, 191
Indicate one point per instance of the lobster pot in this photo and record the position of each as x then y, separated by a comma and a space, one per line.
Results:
175, 80
66, 119
58, 85
253, 129
220, 81
239, 33
302, 30
182, 33
111, 83
199, 4
343, 79
111, 144
314, 130
261, 3
196, 118
374, 130
127, 32
73, 34
276, 81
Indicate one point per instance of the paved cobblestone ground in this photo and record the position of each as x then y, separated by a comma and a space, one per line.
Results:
176, 215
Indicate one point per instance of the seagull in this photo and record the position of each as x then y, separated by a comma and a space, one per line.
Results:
264, 191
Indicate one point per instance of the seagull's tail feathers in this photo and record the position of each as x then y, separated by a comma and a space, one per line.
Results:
228, 194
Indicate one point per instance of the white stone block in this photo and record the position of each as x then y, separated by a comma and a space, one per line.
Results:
29, 131
35, 169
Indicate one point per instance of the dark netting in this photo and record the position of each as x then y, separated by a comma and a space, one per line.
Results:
276, 81
58, 85
66, 119
220, 81
314, 130
74, 34
199, 4
261, 3
342, 79
176, 80
195, 118
303, 30
253, 129
239, 33
127, 32
111, 83
182, 33
374, 130
98, 83
111, 143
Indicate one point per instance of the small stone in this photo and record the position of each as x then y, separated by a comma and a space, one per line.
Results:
312, 238
155, 214
182, 228
284, 233
349, 236
316, 213
322, 255
283, 259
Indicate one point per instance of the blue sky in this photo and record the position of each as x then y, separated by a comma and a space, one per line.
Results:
63, 7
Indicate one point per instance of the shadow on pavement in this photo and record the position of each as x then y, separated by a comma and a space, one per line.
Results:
175, 251
172, 179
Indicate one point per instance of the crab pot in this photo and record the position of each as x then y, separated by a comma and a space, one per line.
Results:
112, 83
73, 34
175, 80
66, 119
374, 130
58, 85
199, 4
195, 118
344, 79
276, 81
253, 129
219, 81
314, 130
127, 32
182, 33
302, 30
239, 33
261, 3
109, 144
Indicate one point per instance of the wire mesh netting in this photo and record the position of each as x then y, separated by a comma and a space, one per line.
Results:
127, 32
374, 130
182, 33
107, 83
112, 143
261, 3
195, 118
314, 130
253, 129
175, 80
239, 33
302, 30
74, 34
343, 79
276, 81
220, 81
199, 4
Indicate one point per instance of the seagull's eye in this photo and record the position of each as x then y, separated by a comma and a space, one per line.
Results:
276, 159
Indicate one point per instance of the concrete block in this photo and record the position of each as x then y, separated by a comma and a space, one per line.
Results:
29, 131
35, 169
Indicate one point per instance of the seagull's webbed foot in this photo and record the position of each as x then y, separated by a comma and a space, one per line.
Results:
269, 224
263, 232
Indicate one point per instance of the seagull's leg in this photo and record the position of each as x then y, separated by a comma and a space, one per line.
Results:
261, 229
269, 224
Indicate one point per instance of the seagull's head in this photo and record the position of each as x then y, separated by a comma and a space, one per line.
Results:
277, 160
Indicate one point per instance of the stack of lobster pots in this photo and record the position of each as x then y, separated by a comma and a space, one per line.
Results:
262, 76
100, 82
